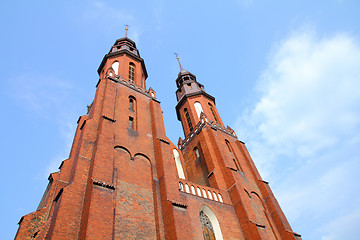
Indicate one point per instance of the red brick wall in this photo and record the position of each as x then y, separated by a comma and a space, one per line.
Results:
122, 183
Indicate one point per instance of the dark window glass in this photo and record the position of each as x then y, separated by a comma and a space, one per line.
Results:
188, 119
131, 73
212, 111
236, 165
131, 104
131, 123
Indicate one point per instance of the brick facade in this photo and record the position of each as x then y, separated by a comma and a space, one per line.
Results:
121, 181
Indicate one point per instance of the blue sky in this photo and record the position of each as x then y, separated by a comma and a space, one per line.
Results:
285, 75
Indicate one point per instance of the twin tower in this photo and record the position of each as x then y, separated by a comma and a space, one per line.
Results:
124, 179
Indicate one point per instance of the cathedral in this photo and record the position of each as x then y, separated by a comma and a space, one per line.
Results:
124, 179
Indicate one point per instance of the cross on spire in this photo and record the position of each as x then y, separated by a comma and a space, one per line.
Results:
126, 29
177, 57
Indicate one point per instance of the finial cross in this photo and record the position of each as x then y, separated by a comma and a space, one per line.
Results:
177, 57
126, 29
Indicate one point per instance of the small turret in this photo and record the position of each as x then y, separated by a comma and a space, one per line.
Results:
124, 51
193, 100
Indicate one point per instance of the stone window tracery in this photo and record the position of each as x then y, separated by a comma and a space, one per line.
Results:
208, 230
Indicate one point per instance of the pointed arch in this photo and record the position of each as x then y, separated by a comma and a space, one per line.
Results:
198, 108
123, 149
212, 112
178, 164
234, 158
115, 66
247, 193
132, 113
142, 155
133, 181
110, 72
132, 103
259, 199
205, 210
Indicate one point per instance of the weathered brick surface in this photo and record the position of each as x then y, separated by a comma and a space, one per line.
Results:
122, 183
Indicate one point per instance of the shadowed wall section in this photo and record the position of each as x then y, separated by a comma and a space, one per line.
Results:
134, 203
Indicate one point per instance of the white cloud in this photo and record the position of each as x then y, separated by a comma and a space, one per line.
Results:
303, 130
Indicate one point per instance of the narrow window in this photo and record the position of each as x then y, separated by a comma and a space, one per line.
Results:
131, 104
212, 111
178, 164
229, 147
131, 123
188, 119
198, 108
197, 154
115, 66
237, 165
131, 72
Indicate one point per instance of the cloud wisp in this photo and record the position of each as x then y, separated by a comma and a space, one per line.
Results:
48, 98
39, 93
303, 129
111, 18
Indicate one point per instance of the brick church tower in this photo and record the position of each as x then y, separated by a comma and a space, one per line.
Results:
124, 179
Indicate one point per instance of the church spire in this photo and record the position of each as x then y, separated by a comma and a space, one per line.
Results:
181, 68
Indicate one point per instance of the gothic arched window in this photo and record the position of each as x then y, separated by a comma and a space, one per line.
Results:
235, 160
132, 113
188, 119
178, 164
198, 108
132, 104
207, 227
115, 66
131, 123
210, 224
213, 113
131, 72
